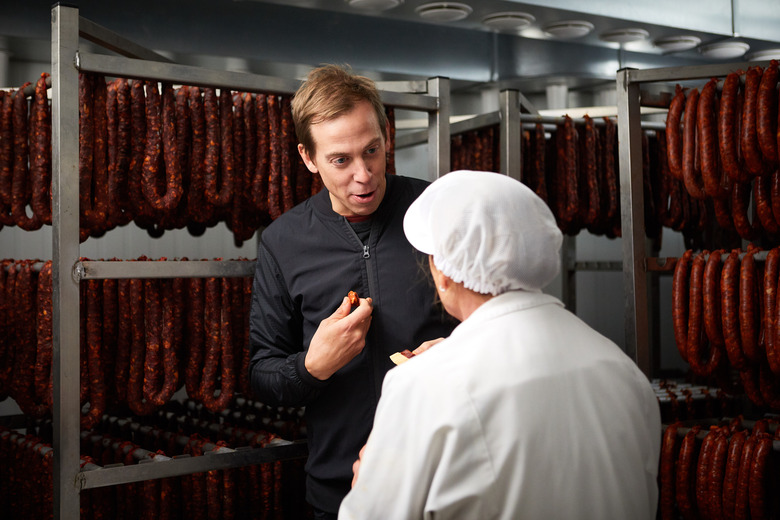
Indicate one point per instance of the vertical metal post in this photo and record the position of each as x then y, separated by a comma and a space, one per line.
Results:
439, 129
633, 221
511, 134
65, 253
569, 273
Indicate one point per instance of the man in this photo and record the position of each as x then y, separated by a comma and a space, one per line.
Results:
310, 347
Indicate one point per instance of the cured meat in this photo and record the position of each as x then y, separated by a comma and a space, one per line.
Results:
40, 158
20, 188
751, 153
673, 137
680, 302
766, 114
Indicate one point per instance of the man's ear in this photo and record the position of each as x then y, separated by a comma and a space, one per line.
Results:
307, 159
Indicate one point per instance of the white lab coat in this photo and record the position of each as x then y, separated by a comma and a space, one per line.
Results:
524, 412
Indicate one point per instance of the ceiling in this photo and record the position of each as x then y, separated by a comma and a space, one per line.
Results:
286, 38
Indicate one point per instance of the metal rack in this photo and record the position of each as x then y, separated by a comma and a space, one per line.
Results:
431, 96
637, 265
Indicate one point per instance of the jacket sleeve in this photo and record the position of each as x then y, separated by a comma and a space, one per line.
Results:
425, 458
276, 371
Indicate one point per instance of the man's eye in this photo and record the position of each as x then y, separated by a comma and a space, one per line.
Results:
340, 160
372, 151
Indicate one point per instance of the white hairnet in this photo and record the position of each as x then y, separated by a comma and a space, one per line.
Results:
486, 230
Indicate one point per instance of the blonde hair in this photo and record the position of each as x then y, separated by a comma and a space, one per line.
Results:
329, 92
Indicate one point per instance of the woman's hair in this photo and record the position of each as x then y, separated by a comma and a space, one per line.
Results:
329, 92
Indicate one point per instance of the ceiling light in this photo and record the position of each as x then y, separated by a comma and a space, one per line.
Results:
444, 11
508, 21
765, 55
630, 34
725, 50
569, 29
681, 42
375, 5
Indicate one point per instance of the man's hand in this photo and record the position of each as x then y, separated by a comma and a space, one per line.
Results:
339, 338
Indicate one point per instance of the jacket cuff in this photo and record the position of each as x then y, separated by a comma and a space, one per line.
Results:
304, 375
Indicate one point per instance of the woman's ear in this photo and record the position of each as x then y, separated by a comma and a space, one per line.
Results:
439, 279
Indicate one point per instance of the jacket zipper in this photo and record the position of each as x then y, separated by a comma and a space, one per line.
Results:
367, 257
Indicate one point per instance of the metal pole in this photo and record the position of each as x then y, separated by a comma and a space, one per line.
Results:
633, 221
511, 134
65, 252
439, 129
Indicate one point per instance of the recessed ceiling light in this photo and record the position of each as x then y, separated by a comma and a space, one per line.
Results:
681, 42
765, 55
569, 29
508, 21
375, 5
630, 34
725, 50
444, 11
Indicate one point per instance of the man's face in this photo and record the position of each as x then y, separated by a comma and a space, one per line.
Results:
350, 158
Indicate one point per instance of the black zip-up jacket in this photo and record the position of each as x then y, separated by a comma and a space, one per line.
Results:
307, 261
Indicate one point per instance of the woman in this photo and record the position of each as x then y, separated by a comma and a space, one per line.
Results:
524, 411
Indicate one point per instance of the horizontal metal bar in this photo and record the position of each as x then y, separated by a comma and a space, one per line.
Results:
458, 127
189, 75
599, 266
689, 72
99, 269
411, 86
186, 465
185, 74
110, 40
419, 102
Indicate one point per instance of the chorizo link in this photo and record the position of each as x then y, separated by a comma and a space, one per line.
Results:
697, 339
716, 474
97, 393
673, 139
20, 189
666, 471
691, 175
711, 298
766, 114
275, 205
703, 471
751, 153
40, 160
6, 156
680, 302
195, 339
771, 271
260, 175
728, 136
731, 476
763, 200
708, 141
748, 316
758, 477
43, 361
729, 291
684, 478
287, 141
